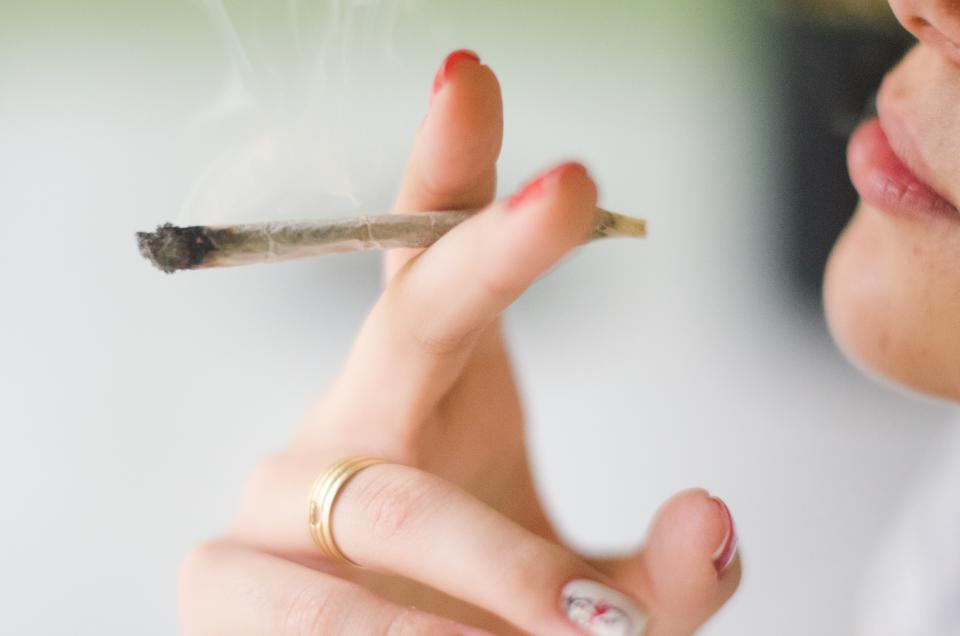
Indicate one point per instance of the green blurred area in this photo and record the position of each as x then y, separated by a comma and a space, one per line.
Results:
17, 13
27, 22
103, 44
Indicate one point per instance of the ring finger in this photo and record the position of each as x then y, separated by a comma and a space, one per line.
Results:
404, 521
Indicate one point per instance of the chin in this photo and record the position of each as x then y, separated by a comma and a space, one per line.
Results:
892, 299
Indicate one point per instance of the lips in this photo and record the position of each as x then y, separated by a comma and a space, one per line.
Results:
883, 177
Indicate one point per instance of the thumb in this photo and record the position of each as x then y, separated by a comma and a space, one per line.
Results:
689, 566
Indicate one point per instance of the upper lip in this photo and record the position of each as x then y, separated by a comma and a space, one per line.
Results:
901, 141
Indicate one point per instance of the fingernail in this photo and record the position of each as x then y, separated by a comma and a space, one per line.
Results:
542, 183
600, 611
443, 73
727, 552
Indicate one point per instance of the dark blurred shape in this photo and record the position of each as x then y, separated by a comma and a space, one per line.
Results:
832, 59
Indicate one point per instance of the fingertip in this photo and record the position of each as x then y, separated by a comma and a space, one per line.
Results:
532, 230
727, 549
575, 200
482, 265
700, 523
457, 146
563, 198
579, 185
675, 573
447, 68
692, 535
469, 94
462, 74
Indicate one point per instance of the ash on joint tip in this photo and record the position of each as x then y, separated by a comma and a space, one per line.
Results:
173, 248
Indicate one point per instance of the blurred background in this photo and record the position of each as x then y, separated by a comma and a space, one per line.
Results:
134, 404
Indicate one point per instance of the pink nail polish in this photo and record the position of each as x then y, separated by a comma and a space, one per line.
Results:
724, 556
443, 73
538, 185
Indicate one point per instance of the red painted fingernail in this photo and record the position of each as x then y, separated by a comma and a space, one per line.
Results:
724, 556
538, 185
443, 73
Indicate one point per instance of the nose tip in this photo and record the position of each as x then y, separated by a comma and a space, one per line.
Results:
934, 22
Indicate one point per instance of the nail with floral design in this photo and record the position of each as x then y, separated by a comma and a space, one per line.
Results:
601, 611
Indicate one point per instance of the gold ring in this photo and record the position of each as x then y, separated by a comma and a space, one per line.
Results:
324, 494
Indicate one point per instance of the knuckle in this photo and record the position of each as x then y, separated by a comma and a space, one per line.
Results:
392, 500
199, 560
415, 319
196, 569
502, 286
311, 611
409, 622
438, 343
534, 565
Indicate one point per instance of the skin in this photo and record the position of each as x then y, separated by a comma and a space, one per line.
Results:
891, 289
455, 528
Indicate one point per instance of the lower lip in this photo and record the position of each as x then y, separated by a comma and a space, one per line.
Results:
884, 182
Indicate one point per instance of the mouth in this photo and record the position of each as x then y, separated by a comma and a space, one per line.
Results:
881, 172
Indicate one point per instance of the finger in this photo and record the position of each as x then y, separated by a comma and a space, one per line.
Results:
689, 567
228, 589
452, 164
400, 520
416, 340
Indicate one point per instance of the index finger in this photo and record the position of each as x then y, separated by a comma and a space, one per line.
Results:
452, 164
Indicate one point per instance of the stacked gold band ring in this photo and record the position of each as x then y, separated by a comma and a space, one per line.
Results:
323, 496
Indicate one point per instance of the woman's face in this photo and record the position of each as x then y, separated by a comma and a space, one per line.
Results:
892, 287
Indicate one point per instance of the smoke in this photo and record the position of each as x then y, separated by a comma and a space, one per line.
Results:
297, 115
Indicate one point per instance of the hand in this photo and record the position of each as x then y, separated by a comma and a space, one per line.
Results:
454, 528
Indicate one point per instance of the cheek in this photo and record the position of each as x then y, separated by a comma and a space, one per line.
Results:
892, 296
